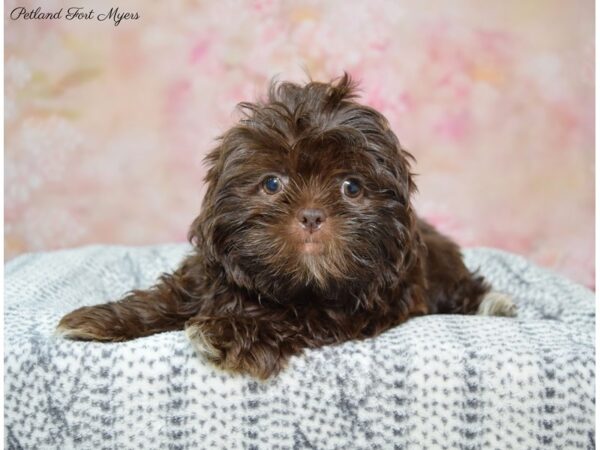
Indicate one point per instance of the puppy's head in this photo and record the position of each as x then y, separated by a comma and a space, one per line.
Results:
309, 191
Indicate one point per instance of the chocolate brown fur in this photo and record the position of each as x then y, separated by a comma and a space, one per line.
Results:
259, 286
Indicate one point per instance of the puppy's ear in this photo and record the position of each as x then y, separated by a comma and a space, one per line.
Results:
405, 175
203, 233
398, 163
200, 232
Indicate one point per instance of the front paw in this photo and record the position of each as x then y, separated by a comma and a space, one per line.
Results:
497, 304
91, 323
237, 345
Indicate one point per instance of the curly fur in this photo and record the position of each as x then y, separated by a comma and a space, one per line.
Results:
249, 295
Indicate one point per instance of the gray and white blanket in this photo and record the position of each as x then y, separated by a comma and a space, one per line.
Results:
434, 382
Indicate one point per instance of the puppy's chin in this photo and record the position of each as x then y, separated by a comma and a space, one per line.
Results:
307, 268
310, 246
319, 267
312, 270
311, 249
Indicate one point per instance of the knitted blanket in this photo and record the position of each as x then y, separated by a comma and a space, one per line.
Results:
434, 382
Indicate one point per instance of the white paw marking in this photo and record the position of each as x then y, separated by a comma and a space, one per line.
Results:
63, 332
200, 340
497, 304
73, 333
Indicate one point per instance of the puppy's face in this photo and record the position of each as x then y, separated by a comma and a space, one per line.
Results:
309, 191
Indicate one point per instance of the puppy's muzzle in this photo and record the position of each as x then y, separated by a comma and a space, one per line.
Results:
311, 219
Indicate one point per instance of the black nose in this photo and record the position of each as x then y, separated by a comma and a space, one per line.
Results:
311, 218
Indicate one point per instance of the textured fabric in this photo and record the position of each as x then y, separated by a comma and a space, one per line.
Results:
434, 382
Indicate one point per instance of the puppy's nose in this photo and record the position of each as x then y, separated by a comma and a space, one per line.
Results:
311, 219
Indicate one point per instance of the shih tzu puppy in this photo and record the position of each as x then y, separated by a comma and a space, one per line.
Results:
306, 237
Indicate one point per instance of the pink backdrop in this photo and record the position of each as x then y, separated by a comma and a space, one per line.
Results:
106, 126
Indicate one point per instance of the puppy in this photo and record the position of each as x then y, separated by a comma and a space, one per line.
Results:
306, 237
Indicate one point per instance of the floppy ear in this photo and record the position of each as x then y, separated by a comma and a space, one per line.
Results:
204, 231
200, 232
399, 164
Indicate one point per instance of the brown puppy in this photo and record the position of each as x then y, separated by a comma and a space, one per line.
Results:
307, 237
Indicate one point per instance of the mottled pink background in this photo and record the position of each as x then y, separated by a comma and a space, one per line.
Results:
106, 126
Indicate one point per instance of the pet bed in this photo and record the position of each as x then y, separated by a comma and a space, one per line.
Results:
434, 382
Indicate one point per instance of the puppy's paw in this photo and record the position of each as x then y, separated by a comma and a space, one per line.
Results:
90, 323
199, 334
235, 345
497, 304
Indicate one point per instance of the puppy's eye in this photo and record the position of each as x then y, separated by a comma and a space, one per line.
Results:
351, 188
272, 185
